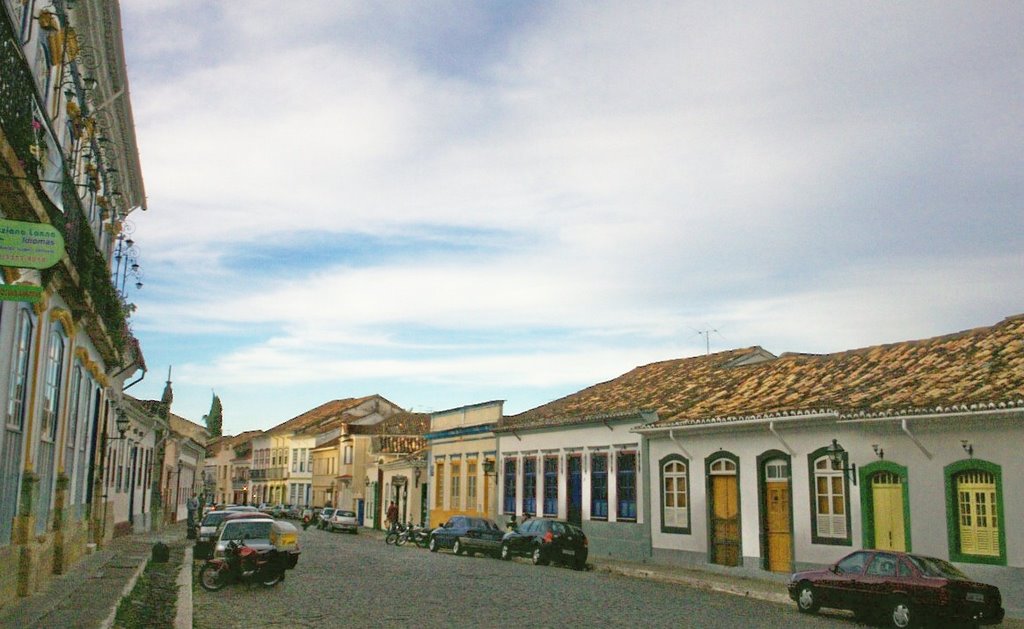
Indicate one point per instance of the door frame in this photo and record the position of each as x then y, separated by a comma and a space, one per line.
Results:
762, 504
709, 492
867, 496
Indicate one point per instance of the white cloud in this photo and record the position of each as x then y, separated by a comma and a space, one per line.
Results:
802, 177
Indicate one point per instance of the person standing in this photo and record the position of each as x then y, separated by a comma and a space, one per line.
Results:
192, 506
392, 515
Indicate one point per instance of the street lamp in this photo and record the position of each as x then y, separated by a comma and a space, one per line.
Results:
489, 467
840, 457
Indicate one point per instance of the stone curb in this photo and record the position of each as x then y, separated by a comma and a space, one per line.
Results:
183, 616
708, 585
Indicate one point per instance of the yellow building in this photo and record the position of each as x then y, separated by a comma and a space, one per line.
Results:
462, 451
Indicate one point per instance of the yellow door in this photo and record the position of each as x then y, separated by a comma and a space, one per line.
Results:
887, 506
780, 537
725, 521
487, 496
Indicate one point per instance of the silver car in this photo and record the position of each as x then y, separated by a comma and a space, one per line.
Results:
208, 533
343, 520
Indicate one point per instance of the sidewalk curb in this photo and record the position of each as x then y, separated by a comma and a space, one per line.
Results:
708, 585
128, 587
183, 617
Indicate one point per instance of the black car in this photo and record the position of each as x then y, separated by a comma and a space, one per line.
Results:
544, 540
467, 534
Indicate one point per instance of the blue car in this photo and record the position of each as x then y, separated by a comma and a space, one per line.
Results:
467, 534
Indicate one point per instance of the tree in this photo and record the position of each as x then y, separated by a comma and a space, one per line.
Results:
215, 419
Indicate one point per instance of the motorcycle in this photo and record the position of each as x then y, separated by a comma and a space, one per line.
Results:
418, 535
240, 564
394, 532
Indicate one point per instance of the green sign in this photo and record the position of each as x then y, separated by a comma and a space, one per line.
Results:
20, 292
30, 245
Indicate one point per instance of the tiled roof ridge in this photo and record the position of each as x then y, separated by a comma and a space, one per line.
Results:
312, 415
926, 341
844, 415
574, 418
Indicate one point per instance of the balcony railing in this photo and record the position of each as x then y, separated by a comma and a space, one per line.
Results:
18, 102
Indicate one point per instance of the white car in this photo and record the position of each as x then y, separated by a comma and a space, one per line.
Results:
343, 520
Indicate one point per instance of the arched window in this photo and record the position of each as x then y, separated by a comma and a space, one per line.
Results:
977, 515
830, 501
675, 495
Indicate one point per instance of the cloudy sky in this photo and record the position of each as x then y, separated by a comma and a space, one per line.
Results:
452, 202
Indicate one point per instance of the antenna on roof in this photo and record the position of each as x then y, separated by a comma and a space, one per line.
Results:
706, 333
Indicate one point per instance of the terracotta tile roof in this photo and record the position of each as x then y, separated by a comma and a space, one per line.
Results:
979, 366
405, 423
323, 413
397, 444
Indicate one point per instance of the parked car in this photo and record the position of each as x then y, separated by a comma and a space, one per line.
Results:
241, 508
324, 517
904, 588
342, 520
544, 540
207, 533
259, 532
467, 534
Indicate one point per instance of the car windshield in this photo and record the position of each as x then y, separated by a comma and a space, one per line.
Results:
327, 511
257, 529
932, 567
214, 518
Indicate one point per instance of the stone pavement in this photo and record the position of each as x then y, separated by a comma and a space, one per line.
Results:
88, 594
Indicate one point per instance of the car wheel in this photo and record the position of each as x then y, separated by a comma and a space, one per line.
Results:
433, 545
901, 614
580, 564
506, 552
807, 598
457, 547
538, 557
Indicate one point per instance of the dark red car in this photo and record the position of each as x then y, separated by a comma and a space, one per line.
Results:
902, 588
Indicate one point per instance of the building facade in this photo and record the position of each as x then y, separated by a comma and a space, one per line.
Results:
68, 166
462, 448
586, 470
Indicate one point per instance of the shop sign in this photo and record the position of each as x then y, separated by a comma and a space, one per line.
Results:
27, 245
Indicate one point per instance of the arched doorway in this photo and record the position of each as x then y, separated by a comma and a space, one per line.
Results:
723, 486
885, 509
777, 529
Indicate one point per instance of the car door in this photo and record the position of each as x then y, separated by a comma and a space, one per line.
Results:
520, 540
446, 534
871, 589
837, 588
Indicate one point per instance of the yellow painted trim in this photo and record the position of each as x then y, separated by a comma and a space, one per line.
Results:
91, 366
64, 317
30, 414
65, 402
40, 306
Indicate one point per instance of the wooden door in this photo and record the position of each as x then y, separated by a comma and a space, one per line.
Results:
575, 490
887, 509
725, 521
778, 532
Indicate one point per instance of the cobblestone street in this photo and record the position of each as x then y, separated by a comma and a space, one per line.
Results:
357, 580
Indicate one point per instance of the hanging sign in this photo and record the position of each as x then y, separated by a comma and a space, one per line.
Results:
30, 245
20, 292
